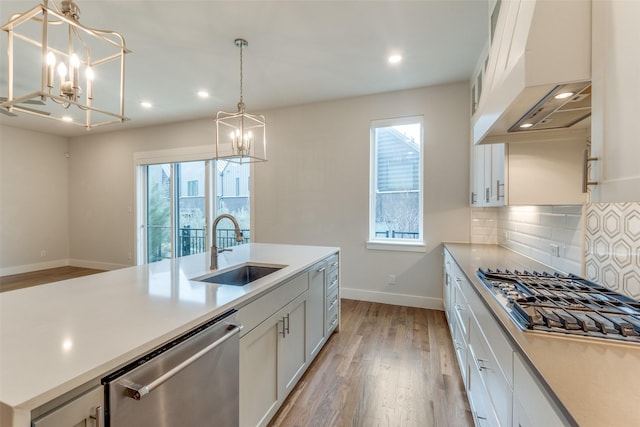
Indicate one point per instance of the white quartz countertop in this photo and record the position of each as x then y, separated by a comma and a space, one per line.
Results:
596, 382
56, 337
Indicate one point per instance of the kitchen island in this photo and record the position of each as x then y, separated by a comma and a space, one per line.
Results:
56, 338
590, 381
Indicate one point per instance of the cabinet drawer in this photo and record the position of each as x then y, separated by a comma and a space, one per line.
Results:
256, 312
499, 344
481, 408
498, 388
332, 263
332, 319
332, 281
332, 300
460, 305
460, 347
76, 412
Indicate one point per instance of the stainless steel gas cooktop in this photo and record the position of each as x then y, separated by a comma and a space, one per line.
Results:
564, 304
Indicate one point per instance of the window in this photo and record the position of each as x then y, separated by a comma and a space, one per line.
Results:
177, 202
192, 188
395, 213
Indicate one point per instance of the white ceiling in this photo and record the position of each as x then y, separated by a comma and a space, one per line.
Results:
299, 52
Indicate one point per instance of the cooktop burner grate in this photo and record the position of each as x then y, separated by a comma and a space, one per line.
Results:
565, 304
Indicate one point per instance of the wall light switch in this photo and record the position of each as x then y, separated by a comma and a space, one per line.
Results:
555, 250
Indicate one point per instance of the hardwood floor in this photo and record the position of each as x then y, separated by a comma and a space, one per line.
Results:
388, 366
24, 280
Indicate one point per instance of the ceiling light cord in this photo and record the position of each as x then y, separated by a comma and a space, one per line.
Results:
241, 43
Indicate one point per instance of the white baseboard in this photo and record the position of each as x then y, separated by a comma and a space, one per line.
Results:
27, 268
394, 299
97, 265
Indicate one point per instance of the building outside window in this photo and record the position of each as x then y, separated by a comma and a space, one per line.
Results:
179, 206
396, 179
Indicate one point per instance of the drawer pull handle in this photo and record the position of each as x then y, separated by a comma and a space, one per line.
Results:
99, 416
482, 364
334, 264
284, 332
287, 327
320, 270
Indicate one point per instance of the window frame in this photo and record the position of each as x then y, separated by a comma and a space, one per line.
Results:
177, 155
390, 243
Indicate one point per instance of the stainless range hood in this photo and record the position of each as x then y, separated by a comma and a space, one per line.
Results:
564, 107
541, 49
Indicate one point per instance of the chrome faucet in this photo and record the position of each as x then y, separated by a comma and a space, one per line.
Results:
214, 248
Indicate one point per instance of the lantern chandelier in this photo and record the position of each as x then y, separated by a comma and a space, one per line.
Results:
240, 136
75, 79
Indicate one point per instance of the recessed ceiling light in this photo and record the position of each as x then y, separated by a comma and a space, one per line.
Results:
564, 95
67, 119
146, 104
526, 125
394, 59
203, 94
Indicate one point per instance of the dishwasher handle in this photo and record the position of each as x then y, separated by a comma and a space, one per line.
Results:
137, 391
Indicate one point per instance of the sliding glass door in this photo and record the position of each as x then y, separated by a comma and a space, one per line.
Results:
177, 210
178, 202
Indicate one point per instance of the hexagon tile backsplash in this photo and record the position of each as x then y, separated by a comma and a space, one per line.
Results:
612, 246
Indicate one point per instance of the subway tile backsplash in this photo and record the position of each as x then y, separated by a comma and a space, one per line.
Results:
605, 235
532, 230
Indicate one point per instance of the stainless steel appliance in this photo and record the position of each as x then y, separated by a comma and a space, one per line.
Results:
191, 381
565, 304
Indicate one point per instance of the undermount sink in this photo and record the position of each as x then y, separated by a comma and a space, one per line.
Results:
241, 275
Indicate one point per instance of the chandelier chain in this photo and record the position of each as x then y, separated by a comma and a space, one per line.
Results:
241, 76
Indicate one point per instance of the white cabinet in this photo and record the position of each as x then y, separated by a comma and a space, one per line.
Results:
283, 331
272, 359
532, 50
546, 172
500, 388
316, 309
84, 410
291, 345
616, 90
488, 175
259, 373
332, 292
531, 408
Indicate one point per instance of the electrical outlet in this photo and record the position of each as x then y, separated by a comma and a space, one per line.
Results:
43, 254
506, 235
555, 250
392, 279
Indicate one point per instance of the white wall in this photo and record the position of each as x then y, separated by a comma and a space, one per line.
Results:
315, 187
102, 188
34, 201
313, 190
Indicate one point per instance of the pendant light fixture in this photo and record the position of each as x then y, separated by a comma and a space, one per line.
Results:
240, 136
71, 72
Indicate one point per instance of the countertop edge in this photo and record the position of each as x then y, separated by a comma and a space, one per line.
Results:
24, 408
506, 324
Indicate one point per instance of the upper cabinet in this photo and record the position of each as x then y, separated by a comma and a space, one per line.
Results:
488, 175
537, 50
616, 91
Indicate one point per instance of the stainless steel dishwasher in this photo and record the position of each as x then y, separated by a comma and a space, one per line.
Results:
191, 381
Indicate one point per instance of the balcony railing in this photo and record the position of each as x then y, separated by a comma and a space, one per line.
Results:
398, 234
190, 241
